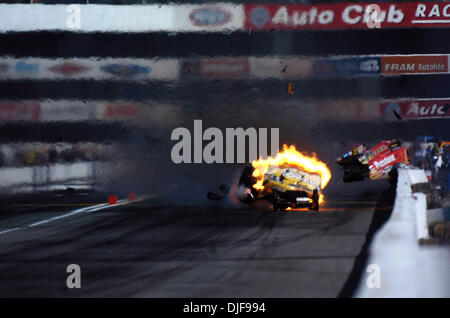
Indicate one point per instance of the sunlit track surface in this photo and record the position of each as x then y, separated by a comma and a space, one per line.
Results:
152, 249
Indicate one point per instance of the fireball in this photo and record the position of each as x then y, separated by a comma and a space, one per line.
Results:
291, 157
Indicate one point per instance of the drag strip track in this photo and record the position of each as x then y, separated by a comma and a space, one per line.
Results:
150, 250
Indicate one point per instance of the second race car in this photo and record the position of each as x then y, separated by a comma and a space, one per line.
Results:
378, 162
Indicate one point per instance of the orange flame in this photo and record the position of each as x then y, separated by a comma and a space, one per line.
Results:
290, 157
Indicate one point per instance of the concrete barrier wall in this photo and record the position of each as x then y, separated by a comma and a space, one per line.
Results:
403, 267
45, 175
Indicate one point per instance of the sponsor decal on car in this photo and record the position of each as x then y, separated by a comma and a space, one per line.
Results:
68, 68
380, 149
384, 162
414, 64
125, 70
346, 15
210, 16
416, 109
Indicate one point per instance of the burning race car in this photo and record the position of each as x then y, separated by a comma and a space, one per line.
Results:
291, 187
379, 162
288, 180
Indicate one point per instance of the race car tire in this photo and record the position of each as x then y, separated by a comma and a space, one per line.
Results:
315, 198
277, 206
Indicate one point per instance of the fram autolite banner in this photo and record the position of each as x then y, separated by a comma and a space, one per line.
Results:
346, 16
414, 64
416, 109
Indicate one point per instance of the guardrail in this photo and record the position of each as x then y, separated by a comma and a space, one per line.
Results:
58, 174
400, 266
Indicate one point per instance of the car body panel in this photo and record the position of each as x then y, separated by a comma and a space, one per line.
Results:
375, 163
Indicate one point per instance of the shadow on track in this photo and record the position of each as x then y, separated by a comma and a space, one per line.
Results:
379, 218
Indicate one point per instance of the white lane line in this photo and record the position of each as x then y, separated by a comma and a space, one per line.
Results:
89, 209
9, 230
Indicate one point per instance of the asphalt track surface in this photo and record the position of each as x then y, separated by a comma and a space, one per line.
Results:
152, 249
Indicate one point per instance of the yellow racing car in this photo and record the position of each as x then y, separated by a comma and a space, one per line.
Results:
286, 187
291, 187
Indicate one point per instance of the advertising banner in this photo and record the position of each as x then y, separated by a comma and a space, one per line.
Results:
348, 110
349, 66
288, 67
414, 64
346, 16
20, 111
114, 69
281, 68
415, 109
222, 17
221, 67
